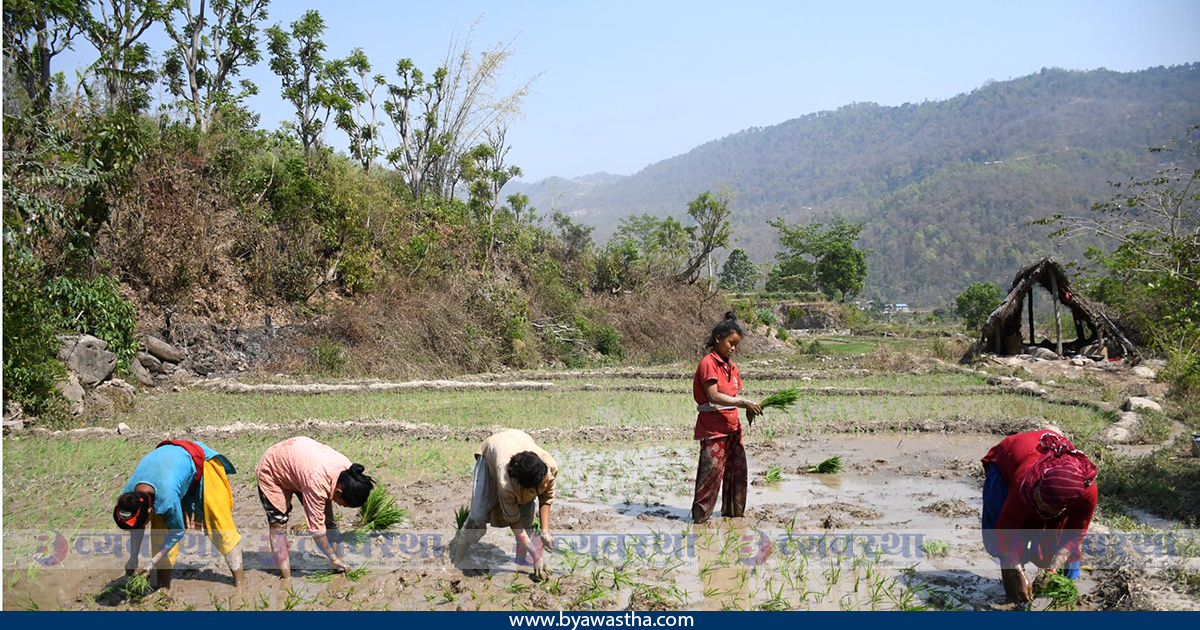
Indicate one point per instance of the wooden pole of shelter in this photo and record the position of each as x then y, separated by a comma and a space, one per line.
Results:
1032, 340
1057, 318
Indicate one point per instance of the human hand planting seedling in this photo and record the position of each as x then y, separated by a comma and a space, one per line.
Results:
1059, 588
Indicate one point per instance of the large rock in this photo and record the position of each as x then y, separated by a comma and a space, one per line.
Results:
113, 396
1123, 431
143, 376
1043, 353
1137, 403
150, 362
73, 392
1031, 387
88, 357
163, 350
1144, 372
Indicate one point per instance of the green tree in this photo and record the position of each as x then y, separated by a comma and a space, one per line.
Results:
213, 41
815, 256
115, 27
738, 273
35, 31
486, 172
711, 214
977, 302
358, 114
306, 77
841, 270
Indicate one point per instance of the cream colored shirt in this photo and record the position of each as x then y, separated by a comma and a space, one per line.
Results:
497, 450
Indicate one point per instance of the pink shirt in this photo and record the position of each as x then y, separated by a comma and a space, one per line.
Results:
305, 466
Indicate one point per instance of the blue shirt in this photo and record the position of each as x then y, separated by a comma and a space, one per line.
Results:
169, 469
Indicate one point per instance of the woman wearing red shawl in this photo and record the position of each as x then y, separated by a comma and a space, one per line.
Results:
1038, 501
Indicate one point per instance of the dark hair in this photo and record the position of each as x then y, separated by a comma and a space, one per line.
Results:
527, 468
356, 486
132, 510
724, 329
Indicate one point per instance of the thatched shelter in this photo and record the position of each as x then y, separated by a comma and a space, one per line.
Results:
1002, 330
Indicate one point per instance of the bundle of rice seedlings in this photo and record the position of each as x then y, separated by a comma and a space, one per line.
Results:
827, 467
774, 474
137, 586
460, 516
380, 511
1059, 588
782, 400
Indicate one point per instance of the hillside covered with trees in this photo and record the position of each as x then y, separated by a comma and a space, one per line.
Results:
266, 249
946, 189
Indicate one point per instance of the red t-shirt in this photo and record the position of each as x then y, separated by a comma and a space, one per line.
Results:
713, 424
1019, 523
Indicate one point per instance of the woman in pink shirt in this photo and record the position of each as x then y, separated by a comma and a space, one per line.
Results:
320, 477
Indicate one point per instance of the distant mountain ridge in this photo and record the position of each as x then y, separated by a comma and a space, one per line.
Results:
946, 188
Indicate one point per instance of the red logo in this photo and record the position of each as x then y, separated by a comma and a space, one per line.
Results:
54, 552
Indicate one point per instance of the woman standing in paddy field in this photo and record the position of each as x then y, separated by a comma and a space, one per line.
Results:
715, 388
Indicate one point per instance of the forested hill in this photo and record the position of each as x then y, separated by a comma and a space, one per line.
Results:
946, 188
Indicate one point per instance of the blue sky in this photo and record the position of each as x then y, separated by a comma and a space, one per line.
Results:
625, 84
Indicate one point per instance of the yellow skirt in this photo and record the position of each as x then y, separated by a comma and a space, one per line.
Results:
218, 516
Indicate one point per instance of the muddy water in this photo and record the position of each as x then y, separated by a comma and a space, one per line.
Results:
920, 484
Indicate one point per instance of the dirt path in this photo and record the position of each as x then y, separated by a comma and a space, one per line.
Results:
236, 387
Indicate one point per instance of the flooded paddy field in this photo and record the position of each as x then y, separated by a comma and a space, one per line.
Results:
898, 528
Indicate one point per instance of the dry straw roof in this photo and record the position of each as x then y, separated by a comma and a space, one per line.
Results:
1047, 272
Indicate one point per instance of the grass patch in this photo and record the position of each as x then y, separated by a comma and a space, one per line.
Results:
936, 548
460, 516
1154, 427
1165, 482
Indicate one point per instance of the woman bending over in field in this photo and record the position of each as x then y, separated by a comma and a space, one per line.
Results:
1038, 499
177, 485
510, 472
715, 388
319, 476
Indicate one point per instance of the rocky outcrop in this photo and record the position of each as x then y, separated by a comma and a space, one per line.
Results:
88, 357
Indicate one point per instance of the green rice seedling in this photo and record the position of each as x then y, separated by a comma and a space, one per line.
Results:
774, 474
355, 537
1059, 588
831, 466
783, 400
460, 516
321, 576
137, 586
355, 575
935, 548
380, 511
